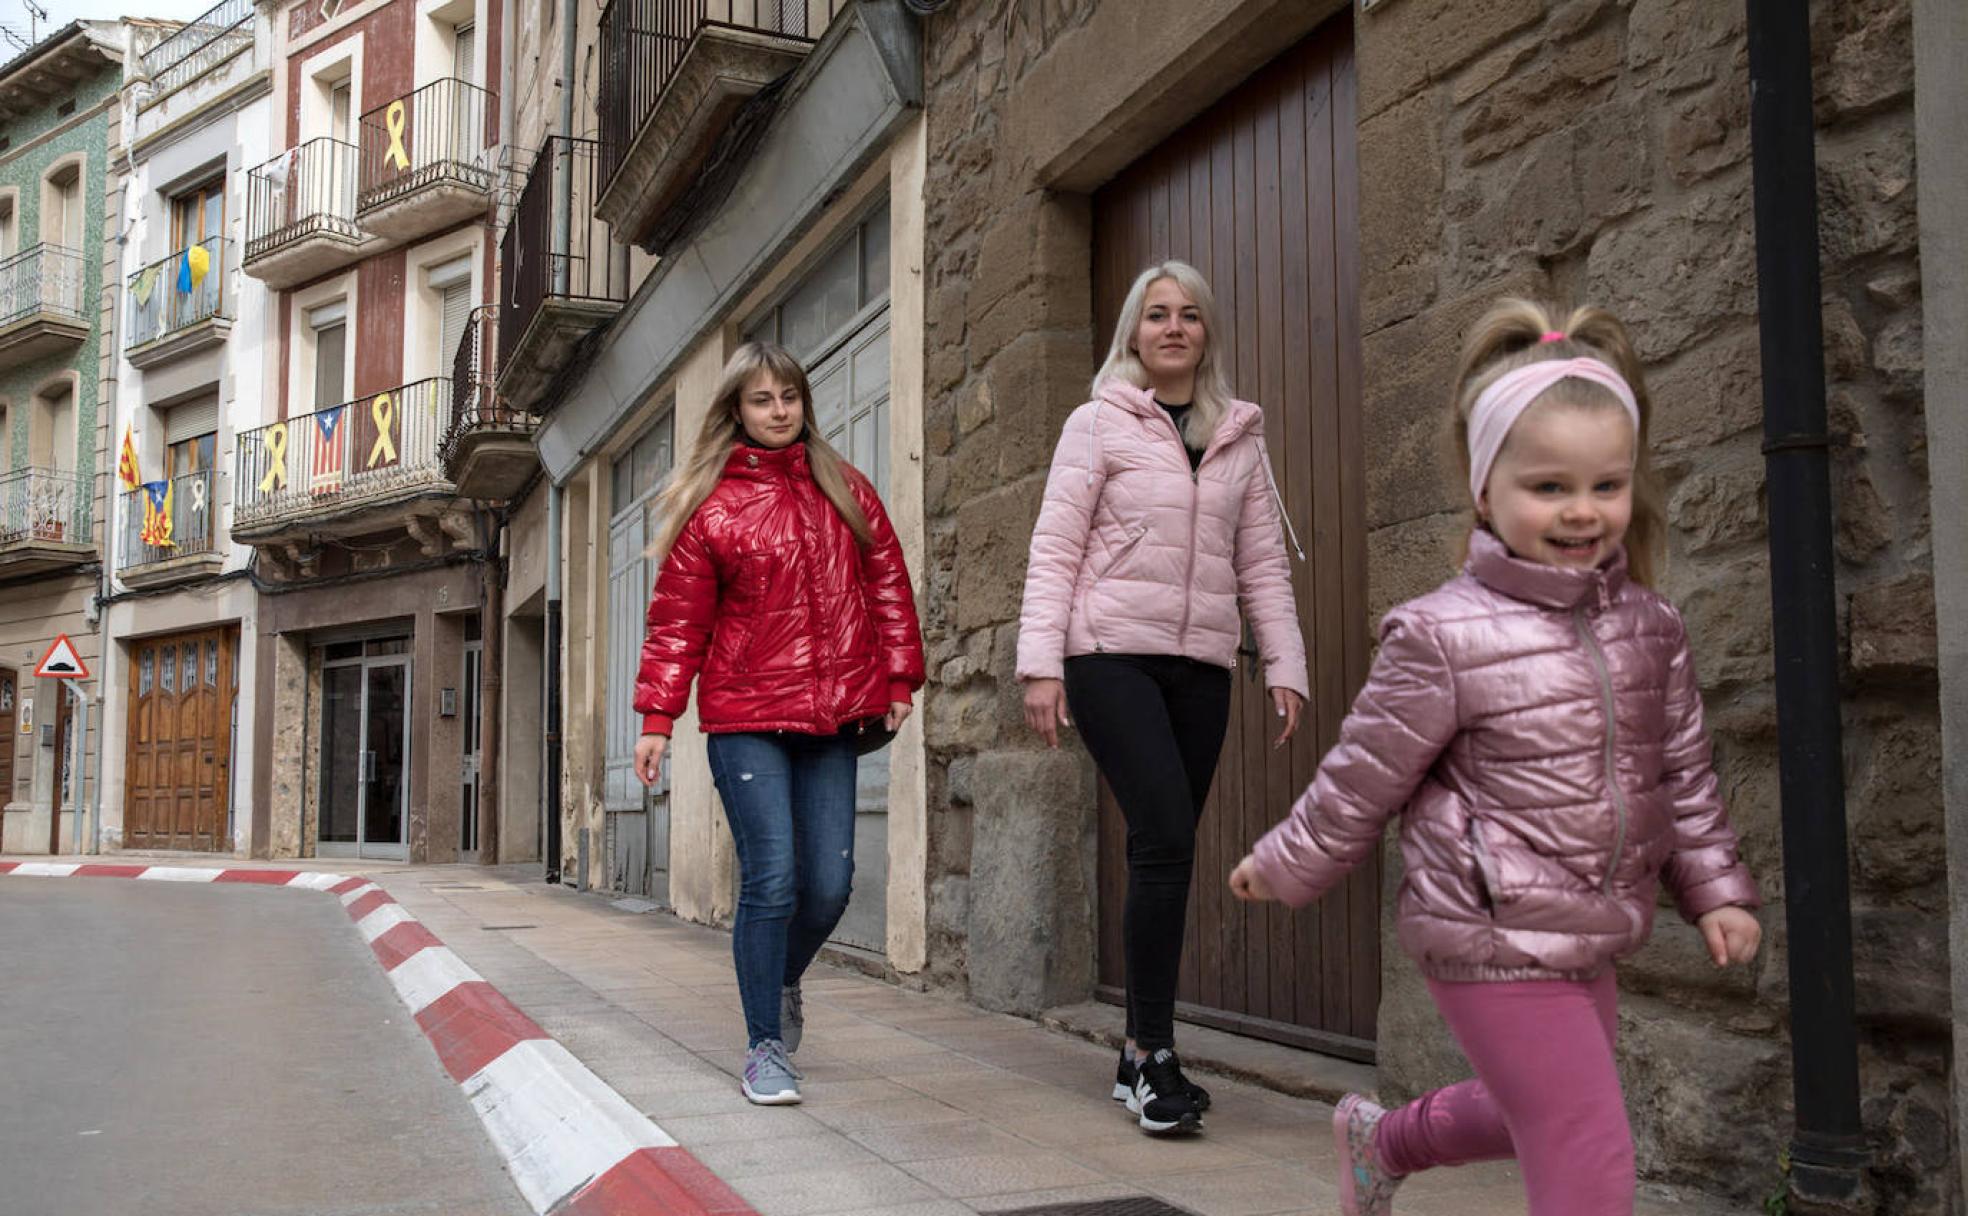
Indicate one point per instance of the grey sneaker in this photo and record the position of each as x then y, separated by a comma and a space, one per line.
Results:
770, 1078
1366, 1187
792, 1017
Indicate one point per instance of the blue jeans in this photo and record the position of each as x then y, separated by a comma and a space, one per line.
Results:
790, 801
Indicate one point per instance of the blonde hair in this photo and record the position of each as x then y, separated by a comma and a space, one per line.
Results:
1513, 334
1123, 363
723, 428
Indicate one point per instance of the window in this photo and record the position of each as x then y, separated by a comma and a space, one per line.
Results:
452, 283
340, 101
329, 324
464, 52
51, 442
9, 229
851, 278
198, 215
61, 216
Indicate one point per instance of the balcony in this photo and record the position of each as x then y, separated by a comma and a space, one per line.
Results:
673, 73
171, 315
45, 520
488, 445
41, 304
425, 163
564, 278
198, 47
300, 213
193, 506
344, 470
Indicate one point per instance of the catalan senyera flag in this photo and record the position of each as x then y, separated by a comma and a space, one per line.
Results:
325, 466
157, 515
126, 465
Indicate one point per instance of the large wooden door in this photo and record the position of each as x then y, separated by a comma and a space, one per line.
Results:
1259, 194
179, 753
9, 722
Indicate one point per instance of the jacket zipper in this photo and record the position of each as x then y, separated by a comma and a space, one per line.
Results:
1195, 504
1598, 658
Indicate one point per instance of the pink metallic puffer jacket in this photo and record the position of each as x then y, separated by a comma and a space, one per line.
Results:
1134, 554
1540, 732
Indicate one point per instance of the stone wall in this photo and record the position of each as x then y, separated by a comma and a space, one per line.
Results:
1592, 150
1598, 151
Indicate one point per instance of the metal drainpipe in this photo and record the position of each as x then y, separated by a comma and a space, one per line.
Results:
550, 804
1827, 1148
563, 167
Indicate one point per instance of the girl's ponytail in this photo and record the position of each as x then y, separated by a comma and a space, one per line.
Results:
1516, 332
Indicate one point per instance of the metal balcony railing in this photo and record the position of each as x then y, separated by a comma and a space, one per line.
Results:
437, 132
43, 279
166, 298
643, 42
197, 46
538, 261
54, 506
369, 447
303, 191
475, 401
191, 502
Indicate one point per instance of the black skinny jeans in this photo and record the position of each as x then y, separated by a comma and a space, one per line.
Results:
1154, 724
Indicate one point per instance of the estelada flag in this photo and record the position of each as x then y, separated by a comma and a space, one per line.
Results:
126, 466
157, 515
325, 469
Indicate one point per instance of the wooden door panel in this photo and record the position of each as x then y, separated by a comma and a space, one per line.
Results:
1258, 193
179, 740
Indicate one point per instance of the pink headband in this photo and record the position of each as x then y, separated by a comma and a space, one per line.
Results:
1499, 406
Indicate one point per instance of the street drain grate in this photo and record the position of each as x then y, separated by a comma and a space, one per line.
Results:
501, 928
1133, 1205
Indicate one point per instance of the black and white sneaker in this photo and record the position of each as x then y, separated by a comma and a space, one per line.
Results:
1124, 1072
1161, 1095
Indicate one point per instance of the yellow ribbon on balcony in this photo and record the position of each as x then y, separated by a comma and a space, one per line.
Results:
393, 118
383, 410
276, 444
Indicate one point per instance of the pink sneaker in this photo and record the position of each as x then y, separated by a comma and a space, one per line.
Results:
1365, 1187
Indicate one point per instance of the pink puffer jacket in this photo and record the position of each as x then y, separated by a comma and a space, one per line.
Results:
1134, 554
1540, 730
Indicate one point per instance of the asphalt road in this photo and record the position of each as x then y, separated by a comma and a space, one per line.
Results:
221, 1050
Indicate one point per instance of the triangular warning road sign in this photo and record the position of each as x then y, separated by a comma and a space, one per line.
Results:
61, 662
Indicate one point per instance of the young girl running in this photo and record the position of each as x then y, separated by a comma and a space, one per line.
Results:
783, 583
1537, 724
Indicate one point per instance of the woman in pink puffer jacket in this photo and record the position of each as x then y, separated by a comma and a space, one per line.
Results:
1160, 521
1536, 724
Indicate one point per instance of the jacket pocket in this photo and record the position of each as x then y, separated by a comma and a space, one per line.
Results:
1487, 879
731, 649
1107, 568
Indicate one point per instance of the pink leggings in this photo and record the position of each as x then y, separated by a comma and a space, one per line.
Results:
1546, 1092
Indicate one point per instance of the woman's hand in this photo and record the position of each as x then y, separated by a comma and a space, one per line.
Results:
898, 713
1732, 934
1045, 708
1288, 703
649, 757
1249, 885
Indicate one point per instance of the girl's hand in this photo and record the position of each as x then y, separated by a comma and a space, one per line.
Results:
1249, 885
649, 757
1288, 703
1732, 934
1045, 708
898, 713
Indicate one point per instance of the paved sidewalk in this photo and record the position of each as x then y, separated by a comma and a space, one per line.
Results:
917, 1105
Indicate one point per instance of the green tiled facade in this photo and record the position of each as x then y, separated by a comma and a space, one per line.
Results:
37, 142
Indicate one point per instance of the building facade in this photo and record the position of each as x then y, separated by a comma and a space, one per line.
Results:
369, 227
181, 387
56, 105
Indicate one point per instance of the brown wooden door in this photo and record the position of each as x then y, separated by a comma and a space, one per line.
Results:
178, 756
9, 723
1259, 194
63, 770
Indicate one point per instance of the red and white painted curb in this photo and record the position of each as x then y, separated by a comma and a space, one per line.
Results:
573, 1145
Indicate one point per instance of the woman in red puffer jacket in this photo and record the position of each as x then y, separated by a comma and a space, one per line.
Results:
782, 582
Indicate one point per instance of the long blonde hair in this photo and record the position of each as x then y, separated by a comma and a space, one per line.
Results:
1124, 362
723, 428
1512, 335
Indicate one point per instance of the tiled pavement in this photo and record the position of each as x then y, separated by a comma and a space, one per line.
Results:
917, 1105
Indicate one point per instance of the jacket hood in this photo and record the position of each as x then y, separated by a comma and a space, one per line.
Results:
1496, 567
1241, 418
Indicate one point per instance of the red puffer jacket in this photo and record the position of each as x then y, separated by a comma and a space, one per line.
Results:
795, 625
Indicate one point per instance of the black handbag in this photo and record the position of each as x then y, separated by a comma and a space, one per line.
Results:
869, 734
